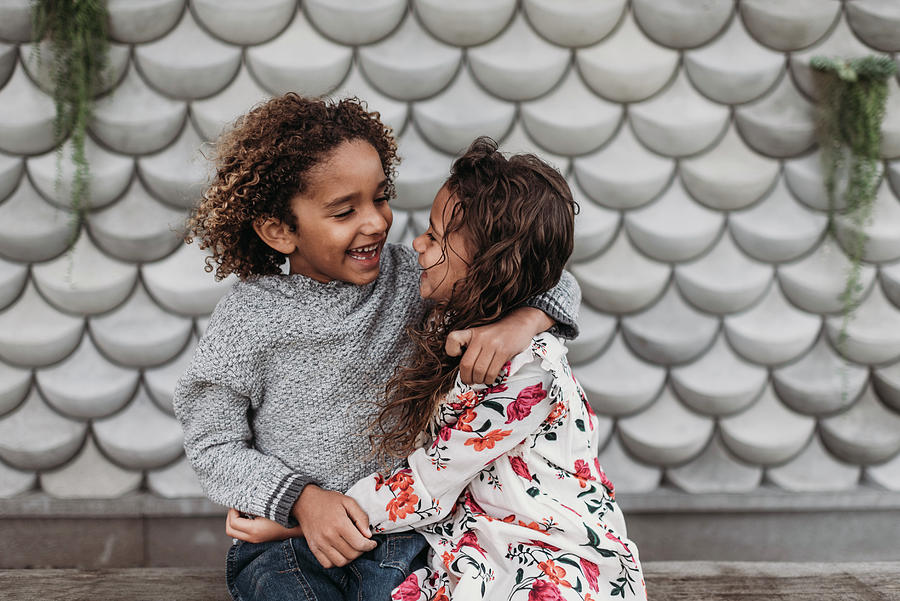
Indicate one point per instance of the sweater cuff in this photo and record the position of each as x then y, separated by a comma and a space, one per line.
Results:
284, 496
565, 326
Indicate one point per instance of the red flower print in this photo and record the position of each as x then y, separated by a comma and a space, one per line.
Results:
379, 481
401, 505
441, 595
554, 572
591, 571
488, 440
509, 519
408, 589
401, 480
604, 480
469, 539
533, 526
462, 423
527, 398
467, 399
541, 590
582, 472
470, 502
558, 410
543, 545
447, 558
616, 539
520, 467
495, 389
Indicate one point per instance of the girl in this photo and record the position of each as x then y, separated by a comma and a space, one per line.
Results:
281, 384
505, 484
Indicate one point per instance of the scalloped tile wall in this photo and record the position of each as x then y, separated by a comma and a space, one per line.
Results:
711, 328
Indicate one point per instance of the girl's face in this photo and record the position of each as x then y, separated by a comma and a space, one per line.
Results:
342, 217
441, 268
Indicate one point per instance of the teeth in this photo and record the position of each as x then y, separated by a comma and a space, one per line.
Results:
364, 249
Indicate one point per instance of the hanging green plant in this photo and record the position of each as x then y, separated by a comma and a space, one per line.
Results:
76, 33
854, 93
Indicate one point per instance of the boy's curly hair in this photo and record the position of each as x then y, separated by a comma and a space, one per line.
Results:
262, 162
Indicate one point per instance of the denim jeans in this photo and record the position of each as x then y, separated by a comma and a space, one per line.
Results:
288, 571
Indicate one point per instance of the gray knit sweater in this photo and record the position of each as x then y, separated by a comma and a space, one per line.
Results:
283, 385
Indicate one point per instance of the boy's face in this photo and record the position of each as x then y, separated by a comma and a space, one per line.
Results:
342, 217
444, 259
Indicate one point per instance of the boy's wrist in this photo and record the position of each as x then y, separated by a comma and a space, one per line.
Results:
533, 319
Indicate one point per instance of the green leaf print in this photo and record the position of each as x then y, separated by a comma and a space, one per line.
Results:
579, 423
495, 406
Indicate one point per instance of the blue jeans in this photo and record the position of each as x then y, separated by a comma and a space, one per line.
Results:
288, 571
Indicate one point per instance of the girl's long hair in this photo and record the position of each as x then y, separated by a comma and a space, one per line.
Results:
516, 216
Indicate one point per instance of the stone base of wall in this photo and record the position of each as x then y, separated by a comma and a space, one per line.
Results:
768, 525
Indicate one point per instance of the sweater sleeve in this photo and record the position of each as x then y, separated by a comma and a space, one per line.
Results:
561, 304
491, 423
213, 401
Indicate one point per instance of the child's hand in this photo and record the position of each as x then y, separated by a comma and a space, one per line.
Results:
335, 526
489, 347
257, 530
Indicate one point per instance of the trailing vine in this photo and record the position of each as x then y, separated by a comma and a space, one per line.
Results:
76, 32
854, 93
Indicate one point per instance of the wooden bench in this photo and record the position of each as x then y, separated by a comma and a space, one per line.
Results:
666, 581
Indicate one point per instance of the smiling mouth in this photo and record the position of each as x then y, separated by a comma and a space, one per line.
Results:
365, 253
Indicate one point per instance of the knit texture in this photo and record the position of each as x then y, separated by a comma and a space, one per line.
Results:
285, 382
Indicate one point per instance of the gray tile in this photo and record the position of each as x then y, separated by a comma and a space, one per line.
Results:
767, 433
188, 62
876, 22
139, 333
301, 60
141, 436
355, 23
89, 475
626, 66
789, 25
518, 64
87, 385
814, 469
34, 437
621, 279
410, 64
575, 22
466, 22
682, 23
26, 123
138, 228
110, 175
866, 433
85, 280
137, 22
119, 126
619, 383
733, 68
32, 333
666, 433
452, 119
243, 23
719, 383
571, 119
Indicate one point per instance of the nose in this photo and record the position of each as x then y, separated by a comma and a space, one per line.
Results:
418, 243
375, 221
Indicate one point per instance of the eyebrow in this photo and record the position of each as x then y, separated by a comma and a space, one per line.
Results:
336, 202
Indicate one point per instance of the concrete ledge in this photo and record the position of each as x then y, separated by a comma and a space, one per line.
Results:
673, 581
146, 531
765, 499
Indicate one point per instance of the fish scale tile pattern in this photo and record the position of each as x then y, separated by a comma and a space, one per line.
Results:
710, 318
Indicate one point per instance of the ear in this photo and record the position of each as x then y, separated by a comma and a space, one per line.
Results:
276, 234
